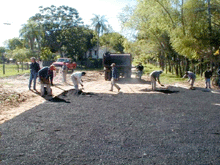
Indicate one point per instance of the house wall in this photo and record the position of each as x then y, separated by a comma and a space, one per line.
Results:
93, 53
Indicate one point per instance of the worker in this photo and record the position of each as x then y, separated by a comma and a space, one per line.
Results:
155, 76
64, 71
140, 69
44, 79
114, 77
208, 75
192, 78
34, 68
76, 78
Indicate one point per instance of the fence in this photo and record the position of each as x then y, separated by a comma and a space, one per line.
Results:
13, 69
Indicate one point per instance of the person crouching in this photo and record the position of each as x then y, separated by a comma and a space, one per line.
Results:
44, 75
192, 78
76, 78
155, 76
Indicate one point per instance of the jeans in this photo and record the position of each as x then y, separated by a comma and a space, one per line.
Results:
207, 83
32, 76
114, 84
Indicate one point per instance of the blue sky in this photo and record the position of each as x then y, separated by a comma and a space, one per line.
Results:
17, 12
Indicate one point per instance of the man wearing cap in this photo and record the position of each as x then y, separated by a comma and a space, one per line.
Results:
114, 77
155, 76
191, 76
44, 75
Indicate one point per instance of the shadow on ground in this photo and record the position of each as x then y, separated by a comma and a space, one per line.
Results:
132, 81
137, 128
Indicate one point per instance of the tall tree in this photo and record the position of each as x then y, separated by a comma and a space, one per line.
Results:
114, 41
14, 43
55, 21
28, 33
99, 23
176, 29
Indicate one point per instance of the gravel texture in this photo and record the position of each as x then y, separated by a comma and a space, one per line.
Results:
177, 127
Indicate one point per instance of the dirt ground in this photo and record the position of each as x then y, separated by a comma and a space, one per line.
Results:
15, 97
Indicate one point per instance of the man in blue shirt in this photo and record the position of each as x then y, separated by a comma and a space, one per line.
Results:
34, 68
114, 77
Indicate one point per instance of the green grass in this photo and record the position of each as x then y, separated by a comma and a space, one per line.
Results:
167, 77
12, 70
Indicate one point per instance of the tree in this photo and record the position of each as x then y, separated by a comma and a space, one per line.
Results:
55, 22
176, 31
46, 54
78, 41
99, 23
21, 55
29, 33
113, 40
14, 43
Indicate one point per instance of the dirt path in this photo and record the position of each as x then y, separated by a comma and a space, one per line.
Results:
22, 99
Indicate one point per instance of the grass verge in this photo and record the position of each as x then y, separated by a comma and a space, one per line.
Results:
167, 78
12, 70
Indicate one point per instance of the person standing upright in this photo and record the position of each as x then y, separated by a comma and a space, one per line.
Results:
140, 69
34, 68
208, 75
114, 77
64, 72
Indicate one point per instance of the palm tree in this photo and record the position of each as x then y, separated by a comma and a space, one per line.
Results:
31, 32
100, 25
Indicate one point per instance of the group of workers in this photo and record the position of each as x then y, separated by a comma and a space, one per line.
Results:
45, 75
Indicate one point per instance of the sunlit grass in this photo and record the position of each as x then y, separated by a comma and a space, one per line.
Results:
12, 70
167, 77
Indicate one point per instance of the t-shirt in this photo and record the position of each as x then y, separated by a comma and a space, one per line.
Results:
34, 67
140, 67
77, 75
44, 72
208, 74
114, 72
155, 74
191, 75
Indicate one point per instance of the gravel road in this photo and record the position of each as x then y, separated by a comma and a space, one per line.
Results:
175, 126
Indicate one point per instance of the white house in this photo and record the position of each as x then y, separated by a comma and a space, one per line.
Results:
93, 53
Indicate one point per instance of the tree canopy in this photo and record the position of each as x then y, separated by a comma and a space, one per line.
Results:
175, 31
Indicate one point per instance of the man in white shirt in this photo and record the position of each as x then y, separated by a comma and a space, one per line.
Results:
155, 76
76, 78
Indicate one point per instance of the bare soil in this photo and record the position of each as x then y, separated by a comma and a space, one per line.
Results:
15, 97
